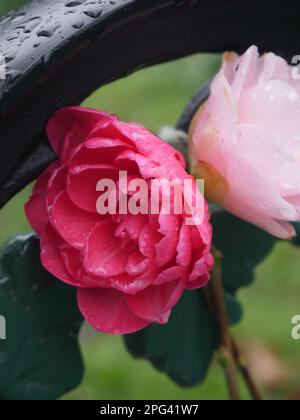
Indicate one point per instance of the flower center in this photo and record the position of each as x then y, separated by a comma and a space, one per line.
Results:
215, 185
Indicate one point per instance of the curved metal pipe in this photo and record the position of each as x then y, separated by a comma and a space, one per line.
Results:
59, 51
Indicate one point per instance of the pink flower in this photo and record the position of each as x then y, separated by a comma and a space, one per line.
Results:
130, 271
245, 141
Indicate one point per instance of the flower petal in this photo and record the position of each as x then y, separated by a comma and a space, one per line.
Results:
82, 185
98, 150
104, 255
107, 311
166, 248
155, 302
170, 274
57, 184
77, 120
184, 247
51, 257
73, 225
35, 208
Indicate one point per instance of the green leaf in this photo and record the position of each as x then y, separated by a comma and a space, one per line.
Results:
296, 240
40, 359
243, 247
183, 348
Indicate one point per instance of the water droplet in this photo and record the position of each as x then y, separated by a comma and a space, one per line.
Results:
29, 25
78, 25
12, 37
74, 3
49, 31
93, 13
4, 280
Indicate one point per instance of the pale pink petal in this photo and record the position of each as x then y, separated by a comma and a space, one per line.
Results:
246, 72
253, 186
263, 144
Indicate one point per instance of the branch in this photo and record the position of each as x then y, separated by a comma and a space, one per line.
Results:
215, 295
243, 367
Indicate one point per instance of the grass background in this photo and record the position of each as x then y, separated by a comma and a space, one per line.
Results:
155, 97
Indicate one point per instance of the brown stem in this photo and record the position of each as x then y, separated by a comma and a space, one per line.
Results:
243, 367
215, 295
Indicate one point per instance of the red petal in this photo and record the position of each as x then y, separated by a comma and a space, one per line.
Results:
36, 213
73, 225
35, 208
198, 283
154, 302
131, 227
184, 247
98, 150
166, 248
43, 180
82, 185
137, 264
136, 163
104, 254
132, 285
51, 257
73, 263
107, 311
201, 268
108, 129
78, 120
171, 274
147, 241
57, 184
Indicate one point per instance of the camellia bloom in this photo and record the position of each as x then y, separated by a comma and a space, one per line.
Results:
130, 270
245, 141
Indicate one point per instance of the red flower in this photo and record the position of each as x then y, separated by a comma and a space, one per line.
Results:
130, 270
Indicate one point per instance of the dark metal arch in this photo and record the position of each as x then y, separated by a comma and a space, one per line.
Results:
59, 51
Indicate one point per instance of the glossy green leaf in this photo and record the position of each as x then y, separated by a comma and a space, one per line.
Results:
243, 247
296, 240
40, 358
183, 348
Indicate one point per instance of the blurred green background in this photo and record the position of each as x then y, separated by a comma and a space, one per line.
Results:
155, 97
